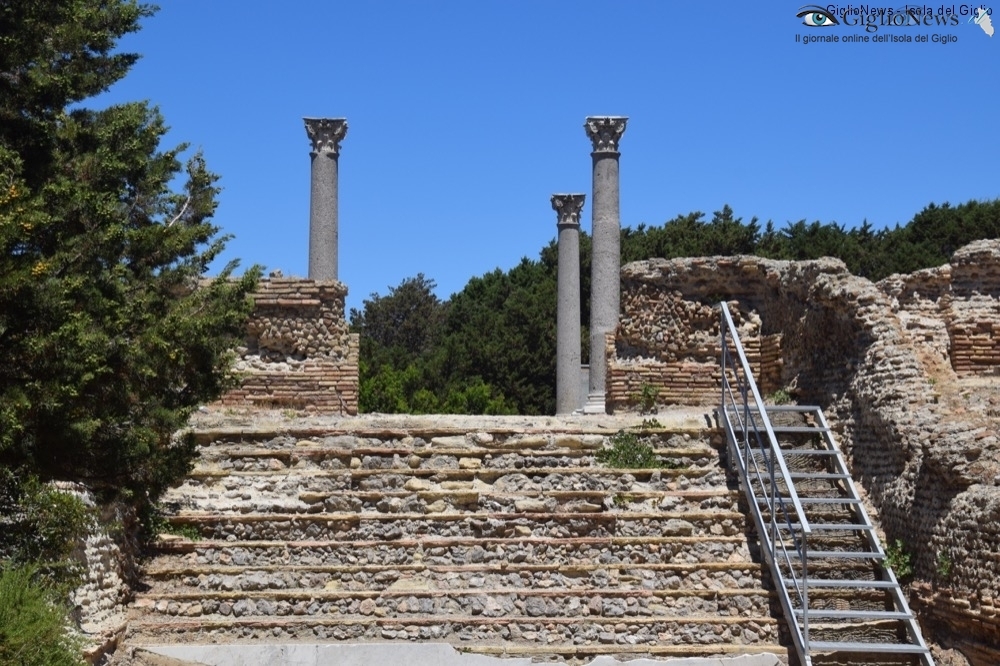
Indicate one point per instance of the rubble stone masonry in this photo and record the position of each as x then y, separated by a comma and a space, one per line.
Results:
890, 365
298, 353
953, 312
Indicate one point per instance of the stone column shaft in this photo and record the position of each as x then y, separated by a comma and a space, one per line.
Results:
605, 285
326, 135
568, 207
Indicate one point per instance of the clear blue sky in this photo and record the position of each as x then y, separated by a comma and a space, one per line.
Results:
465, 116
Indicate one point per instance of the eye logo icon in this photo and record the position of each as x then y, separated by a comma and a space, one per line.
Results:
815, 16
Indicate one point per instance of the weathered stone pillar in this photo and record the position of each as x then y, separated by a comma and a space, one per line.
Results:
605, 289
326, 135
568, 207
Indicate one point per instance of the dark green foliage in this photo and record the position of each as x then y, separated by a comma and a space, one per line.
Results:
689, 236
32, 622
898, 558
501, 329
627, 451
42, 526
491, 347
106, 346
403, 325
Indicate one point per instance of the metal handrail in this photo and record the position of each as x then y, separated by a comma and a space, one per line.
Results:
776, 471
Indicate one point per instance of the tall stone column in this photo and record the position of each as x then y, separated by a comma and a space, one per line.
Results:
326, 135
568, 207
605, 288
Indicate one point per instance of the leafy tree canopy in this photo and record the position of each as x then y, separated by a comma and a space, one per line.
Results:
106, 344
497, 335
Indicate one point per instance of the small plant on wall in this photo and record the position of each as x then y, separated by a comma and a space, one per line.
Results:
779, 397
899, 560
943, 565
627, 451
646, 398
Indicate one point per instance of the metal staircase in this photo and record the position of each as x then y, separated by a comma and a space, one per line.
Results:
838, 596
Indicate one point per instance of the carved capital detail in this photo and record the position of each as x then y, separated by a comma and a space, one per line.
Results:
568, 207
605, 132
326, 134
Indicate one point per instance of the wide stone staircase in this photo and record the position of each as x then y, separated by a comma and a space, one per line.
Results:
498, 540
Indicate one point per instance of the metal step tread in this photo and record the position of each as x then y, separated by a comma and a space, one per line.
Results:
788, 408
813, 500
874, 648
844, 554
855, 615
819, 475
791, 429
854, 527
837, 582
807, 452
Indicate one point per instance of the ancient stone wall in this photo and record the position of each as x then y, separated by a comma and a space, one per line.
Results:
107, 559
298, 352
867, 354
953, 312
668, 335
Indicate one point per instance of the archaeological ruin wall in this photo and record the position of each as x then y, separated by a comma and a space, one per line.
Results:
298, 352
876, 358
952, 313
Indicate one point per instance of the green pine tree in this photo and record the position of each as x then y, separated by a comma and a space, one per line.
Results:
106, 344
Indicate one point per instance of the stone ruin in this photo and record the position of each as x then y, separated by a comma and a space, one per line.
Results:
298, 352
908, 369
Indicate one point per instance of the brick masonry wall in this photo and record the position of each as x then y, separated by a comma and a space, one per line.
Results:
951, 313
668, 336
866, 354
973, 318
298, 353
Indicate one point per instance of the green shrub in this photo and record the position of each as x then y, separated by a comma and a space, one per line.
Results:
943, 565
899, 560
40, 525
646, 398
779, 397
33, 627
627, 451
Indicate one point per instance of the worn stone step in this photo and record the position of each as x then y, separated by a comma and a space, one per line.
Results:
542, 479
421, 496
624, 650
412, 600
365, 526
558, 633
443, 577
441, 550
243, 458
538, 439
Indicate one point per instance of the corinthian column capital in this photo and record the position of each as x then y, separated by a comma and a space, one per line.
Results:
326, 134
605, 132
568, 207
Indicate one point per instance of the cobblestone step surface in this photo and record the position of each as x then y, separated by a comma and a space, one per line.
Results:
450, 550
420, 496
242, 457
180, 579
697, 634
527, 522
409, 599
499, 542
